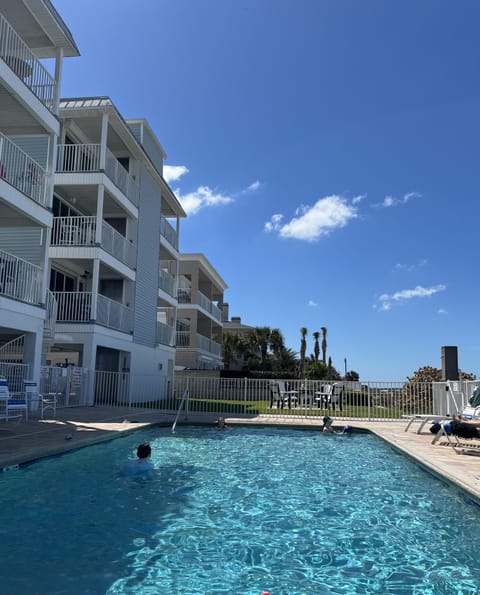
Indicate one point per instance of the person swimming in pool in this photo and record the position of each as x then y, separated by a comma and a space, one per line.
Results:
142, 464
328, 427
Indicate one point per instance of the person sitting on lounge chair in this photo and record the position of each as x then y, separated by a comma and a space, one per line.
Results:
464, 428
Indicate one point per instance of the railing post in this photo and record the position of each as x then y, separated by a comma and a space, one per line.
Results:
245, 396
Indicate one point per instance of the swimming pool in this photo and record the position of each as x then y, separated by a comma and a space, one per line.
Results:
236, 512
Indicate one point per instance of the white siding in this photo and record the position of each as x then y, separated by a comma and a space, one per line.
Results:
23, 242
148, 254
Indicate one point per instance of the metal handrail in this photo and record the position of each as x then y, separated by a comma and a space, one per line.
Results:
184, 399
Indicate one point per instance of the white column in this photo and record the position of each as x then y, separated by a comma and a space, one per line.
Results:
103, 141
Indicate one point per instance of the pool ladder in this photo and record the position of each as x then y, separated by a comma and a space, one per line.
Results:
182, 404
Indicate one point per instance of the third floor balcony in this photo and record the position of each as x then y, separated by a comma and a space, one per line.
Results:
21, 60
86, 158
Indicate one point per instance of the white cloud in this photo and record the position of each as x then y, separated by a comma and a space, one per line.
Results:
357, 199
202, 197
311, 223
386, 300
392, 201
274, 223
172, 173
254, 186
442, 311
312, 303
411, 267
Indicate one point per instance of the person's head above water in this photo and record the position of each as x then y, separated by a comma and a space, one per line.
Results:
144, 451
327, 421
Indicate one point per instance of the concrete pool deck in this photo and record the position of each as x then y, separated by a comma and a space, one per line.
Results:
24, 441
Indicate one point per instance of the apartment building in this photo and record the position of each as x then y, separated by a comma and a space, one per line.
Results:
199, 315
114, 250
33, 42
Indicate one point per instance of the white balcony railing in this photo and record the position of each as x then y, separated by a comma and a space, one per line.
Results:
205, 303
22, 172
81, 231
78, 158
121, 178
118, 246
169, 233
184, 339
206, 344
73, 306
167, 283
18, 56
76, 306
19, 279
85, 158
165, 334
114, 314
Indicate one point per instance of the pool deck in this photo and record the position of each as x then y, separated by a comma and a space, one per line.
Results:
24, 441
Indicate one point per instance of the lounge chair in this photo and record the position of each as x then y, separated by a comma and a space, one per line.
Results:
14, 402
456, 434
423, 420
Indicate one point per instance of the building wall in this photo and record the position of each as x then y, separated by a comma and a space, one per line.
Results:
148, 251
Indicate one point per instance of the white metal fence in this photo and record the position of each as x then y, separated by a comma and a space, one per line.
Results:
244, 397
294, 399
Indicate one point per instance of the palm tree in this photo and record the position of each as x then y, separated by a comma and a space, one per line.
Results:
316, 349
261, 337
303, 349
324, 344
277, 342
229, 348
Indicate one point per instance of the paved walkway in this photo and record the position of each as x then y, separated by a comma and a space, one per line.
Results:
22, 441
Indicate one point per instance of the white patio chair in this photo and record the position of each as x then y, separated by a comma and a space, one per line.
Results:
44, 401
13, 401
287, 396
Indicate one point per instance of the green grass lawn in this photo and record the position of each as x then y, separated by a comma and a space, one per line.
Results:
240, 407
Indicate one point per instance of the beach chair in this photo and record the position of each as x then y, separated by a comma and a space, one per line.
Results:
286, 395
423, 420
14, 402
456, 438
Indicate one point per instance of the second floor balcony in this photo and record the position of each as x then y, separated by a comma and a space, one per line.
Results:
78, 306
186, 339
82, 231
86, 158
22, 172
20, 279
184, 296
165, 334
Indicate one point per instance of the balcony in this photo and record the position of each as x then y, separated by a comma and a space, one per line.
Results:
19, 279
205, 303
76, 306
165, 334
169, 233
167, 283
86, 159
186, 339
21, 60
81, 231
22, 172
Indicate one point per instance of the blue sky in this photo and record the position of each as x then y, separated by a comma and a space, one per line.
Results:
327, 153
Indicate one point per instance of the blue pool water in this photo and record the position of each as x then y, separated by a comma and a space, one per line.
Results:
236, 512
